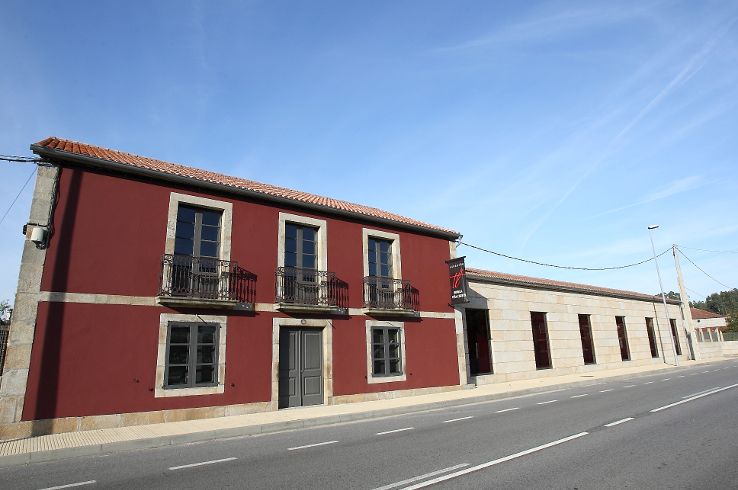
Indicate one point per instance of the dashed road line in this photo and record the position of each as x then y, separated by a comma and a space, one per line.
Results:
605, 391
459, 419
618, 422
507, 410
311, 445
692, 398
393, 431
70, 485
422, 477
666, 379
201, 464
547, 402
628, 386
700, 392
681, 376
488, 464
580, 396
648, 383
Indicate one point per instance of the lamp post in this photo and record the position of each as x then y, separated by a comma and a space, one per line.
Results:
663, 298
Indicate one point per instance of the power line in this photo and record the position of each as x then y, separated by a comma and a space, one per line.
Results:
19, 159
712, 251
18, 195
563, 266
701, 270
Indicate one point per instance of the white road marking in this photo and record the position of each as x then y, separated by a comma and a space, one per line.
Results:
648, 383
460, 418
495, 462
507, 410
666, 379
628, 386
694, 374
605, 391
703, 372
700, 392
393, 431
693, 398
422, 477
202, 464
618, 422
681, 376
311, 445
580, 396
546, 403
70, 485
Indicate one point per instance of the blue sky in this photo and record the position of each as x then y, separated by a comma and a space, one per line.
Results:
555, 131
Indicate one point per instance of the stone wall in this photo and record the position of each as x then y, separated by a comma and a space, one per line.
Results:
512, 341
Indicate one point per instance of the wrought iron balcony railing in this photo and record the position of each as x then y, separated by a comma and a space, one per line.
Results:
205, 278
309, 287
384, 293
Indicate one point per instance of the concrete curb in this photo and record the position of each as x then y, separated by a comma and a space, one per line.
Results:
268, 428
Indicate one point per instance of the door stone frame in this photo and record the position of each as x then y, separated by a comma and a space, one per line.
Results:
327, 327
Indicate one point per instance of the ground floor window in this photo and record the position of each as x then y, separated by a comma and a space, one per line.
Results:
385, 351
675, 336
192, 355
540, 340
191, 358
585, 332
622, 338
651, 338
386, 346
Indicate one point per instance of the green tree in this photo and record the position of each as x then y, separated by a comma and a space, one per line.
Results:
4, 312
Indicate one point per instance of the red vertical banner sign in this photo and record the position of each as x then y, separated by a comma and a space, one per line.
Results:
457, 280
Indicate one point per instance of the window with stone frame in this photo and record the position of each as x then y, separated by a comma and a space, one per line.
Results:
192, 355
386, 351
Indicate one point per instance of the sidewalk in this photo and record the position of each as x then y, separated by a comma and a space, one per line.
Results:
70, 444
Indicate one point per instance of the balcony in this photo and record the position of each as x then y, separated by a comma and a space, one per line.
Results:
391, 297
205, 282
310, 290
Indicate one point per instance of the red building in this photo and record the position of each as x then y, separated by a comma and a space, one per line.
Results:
151, 291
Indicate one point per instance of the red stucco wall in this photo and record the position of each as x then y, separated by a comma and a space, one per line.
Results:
109, 234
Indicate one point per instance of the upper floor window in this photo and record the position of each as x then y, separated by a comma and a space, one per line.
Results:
300, 246
379, 257
198, 232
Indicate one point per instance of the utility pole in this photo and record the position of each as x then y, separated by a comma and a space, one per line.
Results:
663, 298
686, 311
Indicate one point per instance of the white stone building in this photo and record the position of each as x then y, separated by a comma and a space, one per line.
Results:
519, 327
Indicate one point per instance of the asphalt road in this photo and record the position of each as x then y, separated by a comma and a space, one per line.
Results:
674, 429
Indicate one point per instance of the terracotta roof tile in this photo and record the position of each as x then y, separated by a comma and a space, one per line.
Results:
268, 190
698, 314
549, 283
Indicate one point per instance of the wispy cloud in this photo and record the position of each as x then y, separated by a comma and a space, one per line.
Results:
545, 26
675, 187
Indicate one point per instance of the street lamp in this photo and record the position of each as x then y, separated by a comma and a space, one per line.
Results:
663, 298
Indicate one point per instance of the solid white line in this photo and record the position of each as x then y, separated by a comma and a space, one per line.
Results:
700, 392
605, 391
495, 462
546, 403
507, 410
311, 445
79, 484
393, 431
201, 464
628, 386
618, 422
693, 398
580, 396
422, 477
460, 418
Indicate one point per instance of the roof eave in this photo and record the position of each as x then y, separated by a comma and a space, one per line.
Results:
564, 289
54, 154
